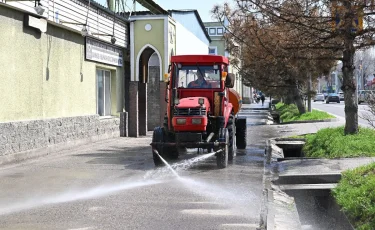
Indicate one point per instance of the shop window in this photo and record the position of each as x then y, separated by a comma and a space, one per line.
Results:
103, 92
212, 31
212, 50
220, 31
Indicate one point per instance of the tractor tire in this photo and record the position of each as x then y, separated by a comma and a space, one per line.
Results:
157, 136
241, 133
232, 140
222, 156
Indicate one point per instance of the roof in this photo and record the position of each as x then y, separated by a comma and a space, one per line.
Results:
201, 58
152, 6
196, 15
137, 13
208, 24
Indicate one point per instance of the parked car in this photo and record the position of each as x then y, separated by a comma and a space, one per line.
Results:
333, 97
363, 95
341, 96
319, 97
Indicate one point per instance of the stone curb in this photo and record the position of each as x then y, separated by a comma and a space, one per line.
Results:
279, 210
312, 121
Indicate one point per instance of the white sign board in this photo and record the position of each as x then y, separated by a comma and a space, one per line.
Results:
38, 23
103, 52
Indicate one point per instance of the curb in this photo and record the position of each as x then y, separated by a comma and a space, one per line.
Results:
311, 121
279, 210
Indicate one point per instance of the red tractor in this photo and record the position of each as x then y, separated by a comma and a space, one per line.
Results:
201, 110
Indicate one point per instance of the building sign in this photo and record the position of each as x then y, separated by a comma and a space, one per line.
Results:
103, 52
37, 23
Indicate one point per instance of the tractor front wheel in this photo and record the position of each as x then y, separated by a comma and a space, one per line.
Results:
157, 137
241, 133
222, 156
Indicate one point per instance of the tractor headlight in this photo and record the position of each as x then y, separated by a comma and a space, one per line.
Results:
201, 101
181, 121
196, 121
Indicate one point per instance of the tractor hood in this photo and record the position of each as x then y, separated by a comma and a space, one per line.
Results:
193, 102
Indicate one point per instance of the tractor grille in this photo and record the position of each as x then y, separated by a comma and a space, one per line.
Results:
190, 112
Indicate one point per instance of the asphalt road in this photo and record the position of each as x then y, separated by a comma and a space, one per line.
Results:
337, 109
113, 184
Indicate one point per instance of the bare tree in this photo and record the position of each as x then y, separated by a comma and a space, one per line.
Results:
338, 27
369, 116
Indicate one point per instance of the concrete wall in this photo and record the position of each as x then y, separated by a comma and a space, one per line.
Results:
190, 21
188, 43
153, 92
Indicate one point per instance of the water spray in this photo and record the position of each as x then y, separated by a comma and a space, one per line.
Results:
166, 163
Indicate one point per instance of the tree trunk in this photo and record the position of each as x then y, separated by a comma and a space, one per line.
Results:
349, 88
298, 100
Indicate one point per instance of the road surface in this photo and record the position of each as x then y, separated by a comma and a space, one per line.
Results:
338, 110
113, 184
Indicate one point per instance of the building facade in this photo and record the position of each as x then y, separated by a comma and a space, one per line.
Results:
63, 78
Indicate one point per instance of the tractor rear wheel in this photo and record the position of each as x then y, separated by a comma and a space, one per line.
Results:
157, 137
222, 156
241, 133
232, 134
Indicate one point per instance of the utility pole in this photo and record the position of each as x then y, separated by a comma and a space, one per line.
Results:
309, 86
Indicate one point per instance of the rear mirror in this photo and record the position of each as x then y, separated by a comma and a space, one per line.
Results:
229, 81
166, 77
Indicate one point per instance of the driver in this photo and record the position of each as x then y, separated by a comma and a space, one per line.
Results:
200, 82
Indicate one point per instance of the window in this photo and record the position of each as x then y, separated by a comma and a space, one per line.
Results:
212, 50
212, 31
103, 92
191, 77
220, 31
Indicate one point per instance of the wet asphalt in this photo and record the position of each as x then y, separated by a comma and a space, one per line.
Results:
113, 184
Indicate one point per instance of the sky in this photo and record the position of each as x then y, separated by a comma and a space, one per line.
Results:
203, 6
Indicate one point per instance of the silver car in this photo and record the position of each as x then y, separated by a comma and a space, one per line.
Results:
341, 96
319, 97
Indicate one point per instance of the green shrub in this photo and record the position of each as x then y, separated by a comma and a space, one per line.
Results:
332, 143
291, 113
279, 105
355, 194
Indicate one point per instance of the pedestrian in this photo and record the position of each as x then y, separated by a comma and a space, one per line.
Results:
262, 97
255, 98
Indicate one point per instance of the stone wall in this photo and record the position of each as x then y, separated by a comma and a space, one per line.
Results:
153, 98
26, 139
